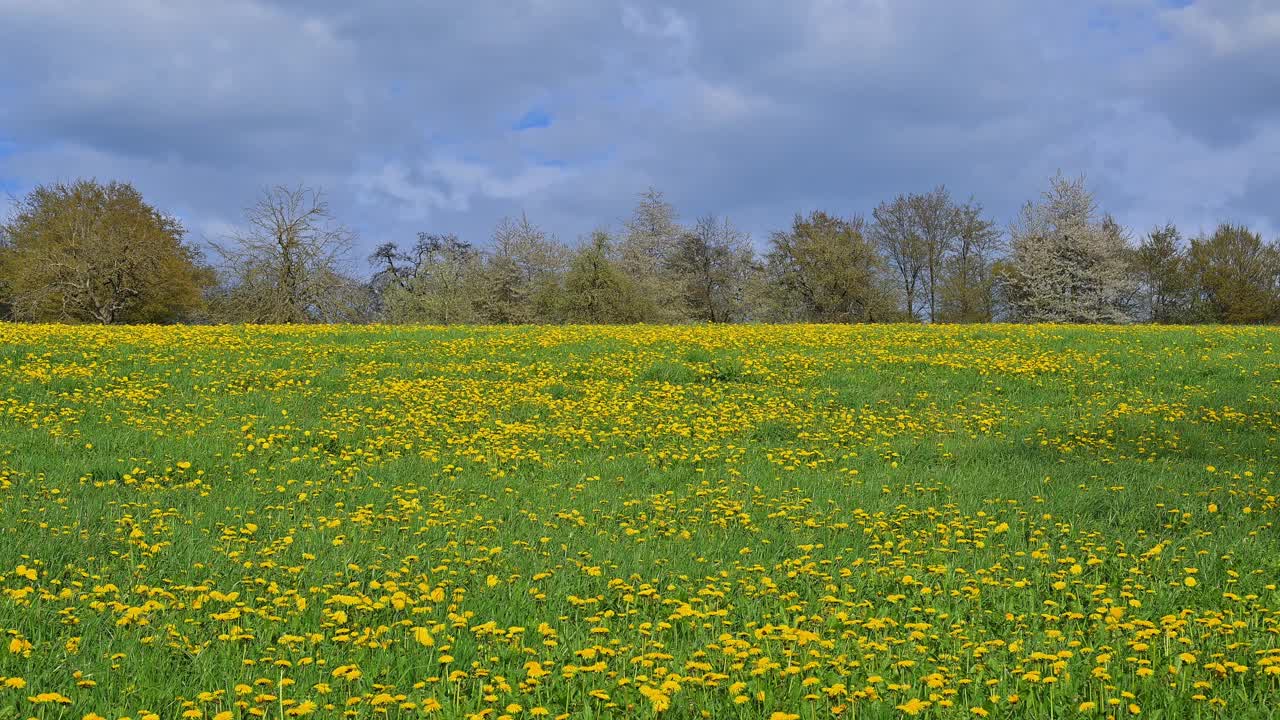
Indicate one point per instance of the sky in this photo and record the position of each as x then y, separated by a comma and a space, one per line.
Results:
446, 116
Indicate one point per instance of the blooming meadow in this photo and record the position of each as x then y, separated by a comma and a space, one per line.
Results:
785, 522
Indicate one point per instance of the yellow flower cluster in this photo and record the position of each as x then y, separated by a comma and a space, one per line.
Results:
790, 522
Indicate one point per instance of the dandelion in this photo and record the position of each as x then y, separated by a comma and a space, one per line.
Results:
855, 520
423, 637
914, 706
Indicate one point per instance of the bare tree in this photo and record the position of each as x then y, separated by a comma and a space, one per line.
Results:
286, 265
435, 281
393, 266
897, 235
935, 217
966, 292
712, 263
650, 239
918, 234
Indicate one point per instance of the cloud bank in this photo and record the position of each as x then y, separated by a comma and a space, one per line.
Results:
446, 116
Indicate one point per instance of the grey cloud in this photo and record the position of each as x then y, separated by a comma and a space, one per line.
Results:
1218, 75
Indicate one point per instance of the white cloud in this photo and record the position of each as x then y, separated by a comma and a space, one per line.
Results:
451, 184
1228, 28
665, 25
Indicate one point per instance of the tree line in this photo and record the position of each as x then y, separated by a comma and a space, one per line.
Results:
88, 252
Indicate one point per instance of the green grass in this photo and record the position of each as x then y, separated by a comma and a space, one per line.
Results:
728, 522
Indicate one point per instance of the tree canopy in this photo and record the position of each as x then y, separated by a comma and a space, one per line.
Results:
97, 253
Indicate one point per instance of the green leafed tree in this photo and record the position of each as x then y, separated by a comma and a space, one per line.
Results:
88, 252
1160, 270
596, 290
520, 278
1235, 276
825, 269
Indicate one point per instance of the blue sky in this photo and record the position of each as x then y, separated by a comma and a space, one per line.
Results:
445, 116
7, 184
535, 119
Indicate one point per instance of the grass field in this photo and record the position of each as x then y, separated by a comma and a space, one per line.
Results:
738, 522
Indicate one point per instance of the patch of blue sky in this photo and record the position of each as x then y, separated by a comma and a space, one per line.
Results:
534, 119
8, 183
536, 158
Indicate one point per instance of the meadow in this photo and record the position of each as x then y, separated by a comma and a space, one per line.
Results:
787, 522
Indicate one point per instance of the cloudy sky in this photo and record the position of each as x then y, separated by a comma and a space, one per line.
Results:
445, 116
